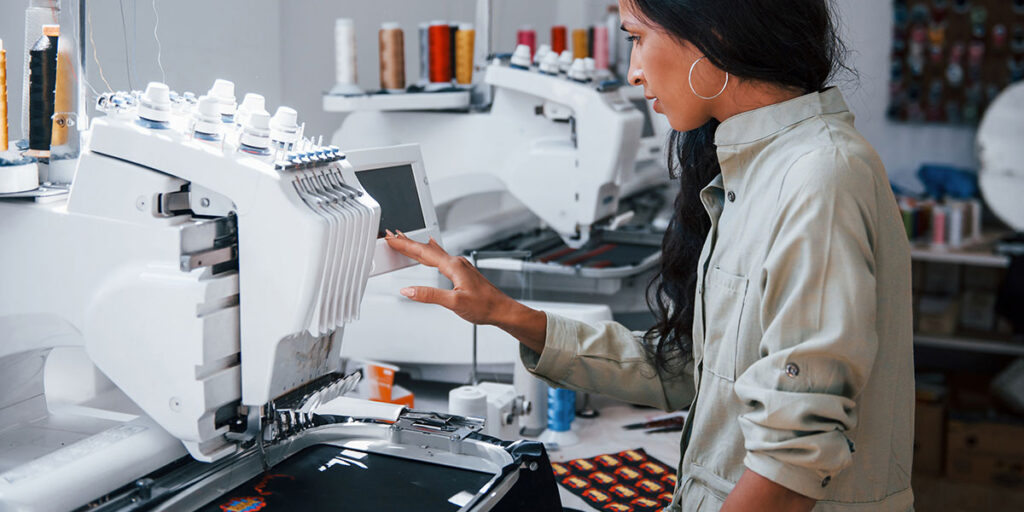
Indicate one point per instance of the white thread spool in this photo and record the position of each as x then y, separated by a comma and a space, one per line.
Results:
469, 401
345, 61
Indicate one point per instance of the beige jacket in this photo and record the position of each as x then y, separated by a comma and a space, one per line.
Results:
803, 351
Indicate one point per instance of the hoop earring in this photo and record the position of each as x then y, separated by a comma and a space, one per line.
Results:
692, 89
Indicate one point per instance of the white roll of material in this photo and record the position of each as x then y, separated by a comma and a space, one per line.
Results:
20, 174
345, 57
469, 401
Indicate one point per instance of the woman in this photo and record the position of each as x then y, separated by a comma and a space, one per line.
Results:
783, 306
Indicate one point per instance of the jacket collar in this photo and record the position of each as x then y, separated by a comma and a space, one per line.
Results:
764, 122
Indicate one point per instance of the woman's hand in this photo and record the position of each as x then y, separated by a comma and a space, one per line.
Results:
473, 297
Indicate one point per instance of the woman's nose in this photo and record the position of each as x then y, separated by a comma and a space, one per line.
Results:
636, 76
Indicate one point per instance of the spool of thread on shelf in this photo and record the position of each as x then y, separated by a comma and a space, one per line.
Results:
465, 40
424, 53
39, 13
4, 134
453, 30
601, 48
468, 401
580, 48
392, 57
527, 36
345, 76
559, 35
440, 53
63, 101
42, 85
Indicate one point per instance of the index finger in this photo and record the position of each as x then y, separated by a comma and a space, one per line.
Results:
431, 255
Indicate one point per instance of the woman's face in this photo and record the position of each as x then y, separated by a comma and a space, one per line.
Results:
661, 64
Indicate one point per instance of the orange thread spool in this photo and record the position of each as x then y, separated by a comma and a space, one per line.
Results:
392, 57
558, 39
464, 42
580, 44
440, 52
3, 97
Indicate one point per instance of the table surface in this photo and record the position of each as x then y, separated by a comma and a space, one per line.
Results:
600, 435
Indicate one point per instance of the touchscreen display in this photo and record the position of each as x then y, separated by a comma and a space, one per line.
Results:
395, 189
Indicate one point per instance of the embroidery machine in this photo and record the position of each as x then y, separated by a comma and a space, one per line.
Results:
170, 328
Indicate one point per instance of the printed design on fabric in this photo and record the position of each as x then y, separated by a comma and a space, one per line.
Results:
247, 504
628, 481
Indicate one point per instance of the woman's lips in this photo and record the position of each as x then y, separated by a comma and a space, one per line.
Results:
657, 106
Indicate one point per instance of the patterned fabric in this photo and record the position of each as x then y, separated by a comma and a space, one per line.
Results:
629, 481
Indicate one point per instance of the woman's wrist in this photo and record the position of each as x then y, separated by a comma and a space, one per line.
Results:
526, 324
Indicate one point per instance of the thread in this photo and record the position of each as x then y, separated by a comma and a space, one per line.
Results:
453, 30
345, 51
440, 53
579, 44
527, 36
561, 409
465, 40
64, 93
36, 16
558, 39
4, 135
42, 84
392, 57
424, 53
602, 52
468, 401
590, 41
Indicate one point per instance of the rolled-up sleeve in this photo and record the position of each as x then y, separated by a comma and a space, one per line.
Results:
608, 359
818, 321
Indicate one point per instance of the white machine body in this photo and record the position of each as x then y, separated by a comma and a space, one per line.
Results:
180, 288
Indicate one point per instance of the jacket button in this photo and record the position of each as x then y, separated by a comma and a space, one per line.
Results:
732, 196
792, 370
824, 483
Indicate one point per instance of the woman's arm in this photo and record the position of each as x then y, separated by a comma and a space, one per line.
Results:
755, 492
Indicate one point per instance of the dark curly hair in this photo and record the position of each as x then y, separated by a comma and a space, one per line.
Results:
789, 43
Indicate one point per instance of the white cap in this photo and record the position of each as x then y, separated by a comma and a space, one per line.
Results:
390, 25
284, 127
550, 64
207, 115
155, 103
465, 26
591, 64
256, 132
565, 61
578, 71
521, 57
541, 53
251, 103
344, 23
224, 91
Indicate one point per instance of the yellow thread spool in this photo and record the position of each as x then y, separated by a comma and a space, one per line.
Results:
62, 95
464, 42
580, 44
3, 97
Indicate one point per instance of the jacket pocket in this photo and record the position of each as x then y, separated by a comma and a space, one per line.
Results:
724, 296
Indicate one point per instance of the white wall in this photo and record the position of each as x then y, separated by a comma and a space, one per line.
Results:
867, 30
201, 40
284, 49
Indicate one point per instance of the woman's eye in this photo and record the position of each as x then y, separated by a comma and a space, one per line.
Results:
632, 39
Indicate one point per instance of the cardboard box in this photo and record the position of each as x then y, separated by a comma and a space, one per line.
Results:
937, 315
978, 311
985, 451
929, 438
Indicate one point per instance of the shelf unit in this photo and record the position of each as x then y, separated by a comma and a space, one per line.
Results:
979, 254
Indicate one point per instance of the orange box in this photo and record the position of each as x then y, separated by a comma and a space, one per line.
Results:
380, 379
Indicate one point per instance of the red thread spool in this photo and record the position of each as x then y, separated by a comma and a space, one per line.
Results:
559, 39
440, 38
528, 36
